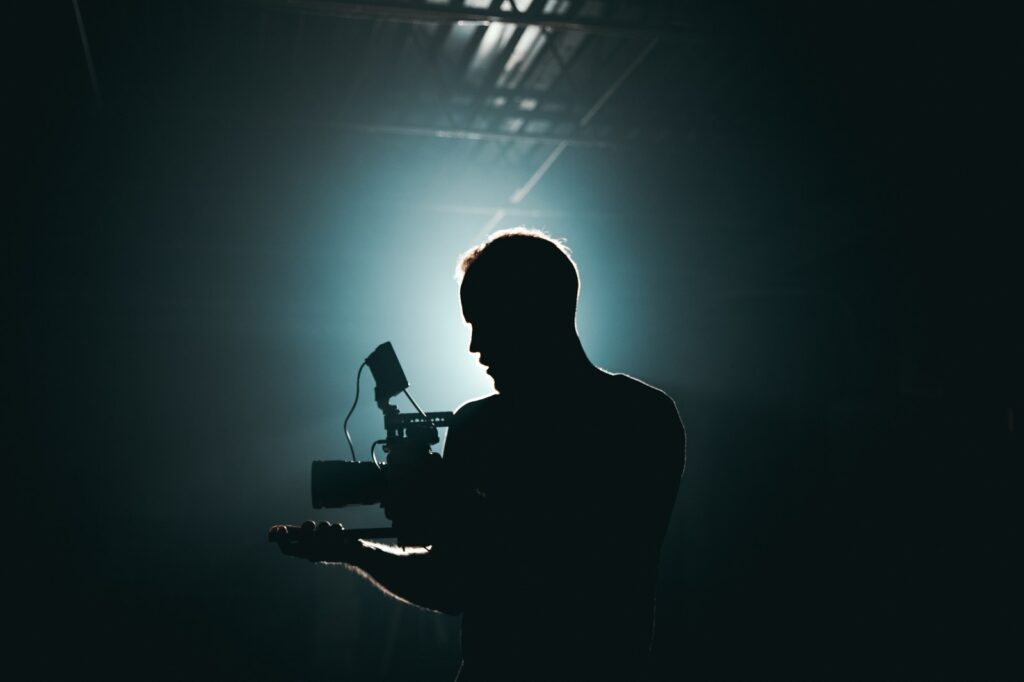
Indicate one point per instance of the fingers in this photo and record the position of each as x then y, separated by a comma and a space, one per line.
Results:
277, 532
324, 541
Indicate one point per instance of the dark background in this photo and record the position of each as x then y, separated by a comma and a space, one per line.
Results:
818, 263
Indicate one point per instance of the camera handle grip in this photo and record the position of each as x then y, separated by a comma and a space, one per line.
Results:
347, 534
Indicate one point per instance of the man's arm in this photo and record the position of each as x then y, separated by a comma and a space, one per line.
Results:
425, 577
432, 578
429, 578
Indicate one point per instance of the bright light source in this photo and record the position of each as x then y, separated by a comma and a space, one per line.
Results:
495, 39
523, 54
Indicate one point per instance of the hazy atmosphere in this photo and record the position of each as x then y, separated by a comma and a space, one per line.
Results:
798, 221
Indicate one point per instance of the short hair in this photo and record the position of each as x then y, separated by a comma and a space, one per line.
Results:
523, 267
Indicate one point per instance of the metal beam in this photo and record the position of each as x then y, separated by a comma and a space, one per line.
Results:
464, 134
402, 130
468, 209
445, 14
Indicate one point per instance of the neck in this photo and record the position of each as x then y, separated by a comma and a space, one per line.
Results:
563, 365
568, 357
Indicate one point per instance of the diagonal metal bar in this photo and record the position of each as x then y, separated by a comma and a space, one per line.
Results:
545, 165
599, 104
555, 50
521, 193
564, 66
88, 54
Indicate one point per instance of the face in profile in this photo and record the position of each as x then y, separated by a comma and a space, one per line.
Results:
514, 348
518, 295
498, 349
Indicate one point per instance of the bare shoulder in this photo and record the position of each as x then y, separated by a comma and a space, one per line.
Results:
476, 409
475, 416
656, 408
642, 394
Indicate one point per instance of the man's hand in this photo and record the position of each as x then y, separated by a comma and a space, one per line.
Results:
322, 541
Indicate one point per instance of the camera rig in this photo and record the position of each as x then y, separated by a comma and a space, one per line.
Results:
407, 445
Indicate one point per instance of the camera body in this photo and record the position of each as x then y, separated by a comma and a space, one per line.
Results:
338, 483
410, 461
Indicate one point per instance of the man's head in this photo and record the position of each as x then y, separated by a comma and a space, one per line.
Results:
519, 290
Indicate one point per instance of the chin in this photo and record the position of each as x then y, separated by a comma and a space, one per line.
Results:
499, 384
509, 380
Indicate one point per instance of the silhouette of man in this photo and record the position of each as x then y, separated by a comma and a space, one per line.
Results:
558, 488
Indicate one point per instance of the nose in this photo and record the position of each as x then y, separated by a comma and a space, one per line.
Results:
481, 343
474, 340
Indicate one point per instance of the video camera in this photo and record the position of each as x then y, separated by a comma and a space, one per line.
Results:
409, 459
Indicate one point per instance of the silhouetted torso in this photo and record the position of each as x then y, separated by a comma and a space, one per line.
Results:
579, 480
